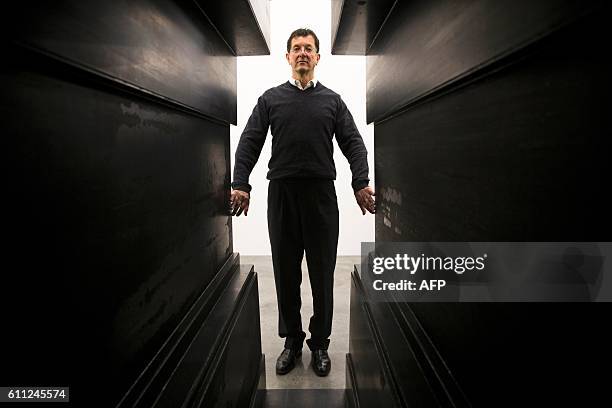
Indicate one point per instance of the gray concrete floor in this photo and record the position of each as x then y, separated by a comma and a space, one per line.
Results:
302, 376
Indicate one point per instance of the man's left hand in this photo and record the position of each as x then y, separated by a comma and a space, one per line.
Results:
365, 200
239, 202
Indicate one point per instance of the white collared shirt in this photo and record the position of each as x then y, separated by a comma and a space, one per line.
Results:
298, 84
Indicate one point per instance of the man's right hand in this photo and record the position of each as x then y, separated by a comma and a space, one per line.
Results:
365, 200
239, 202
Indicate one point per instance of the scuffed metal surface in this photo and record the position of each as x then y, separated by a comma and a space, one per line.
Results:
118, 214
169, 49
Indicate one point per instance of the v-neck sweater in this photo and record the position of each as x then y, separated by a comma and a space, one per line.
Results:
303, 124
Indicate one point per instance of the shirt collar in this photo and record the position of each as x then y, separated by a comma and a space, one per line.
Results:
298, 84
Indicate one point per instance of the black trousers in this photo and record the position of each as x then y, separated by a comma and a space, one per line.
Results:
303, 216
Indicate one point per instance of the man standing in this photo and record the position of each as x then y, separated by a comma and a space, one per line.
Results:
304, 115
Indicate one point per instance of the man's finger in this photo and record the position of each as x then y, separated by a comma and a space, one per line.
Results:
239, 212
237, 206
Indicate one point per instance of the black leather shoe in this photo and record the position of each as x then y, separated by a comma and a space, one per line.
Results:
286, 361
321, 362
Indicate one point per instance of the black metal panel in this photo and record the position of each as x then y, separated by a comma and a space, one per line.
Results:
212, 309
507, 354
425, 45
244, 24
237, 371
372, 381
117, 221
304, 398
260, 393
350, 395
168, 49
480, 355
355, 24
221, 367
391, 357
400, 350
516, 151
520, 155
214, 355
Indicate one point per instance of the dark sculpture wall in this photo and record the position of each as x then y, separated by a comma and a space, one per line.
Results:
169, 50
428, 46
116, 125
518, 154
491, 124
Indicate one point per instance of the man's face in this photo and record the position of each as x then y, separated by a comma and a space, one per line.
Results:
302, 55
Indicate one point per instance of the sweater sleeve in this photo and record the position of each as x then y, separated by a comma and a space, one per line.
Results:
249, 147
352, 146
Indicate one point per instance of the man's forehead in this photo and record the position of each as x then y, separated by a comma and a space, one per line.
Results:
308, 39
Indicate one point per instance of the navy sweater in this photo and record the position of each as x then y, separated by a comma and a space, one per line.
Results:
303, 125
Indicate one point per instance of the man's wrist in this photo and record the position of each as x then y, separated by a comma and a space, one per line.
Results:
246, 187
359, 184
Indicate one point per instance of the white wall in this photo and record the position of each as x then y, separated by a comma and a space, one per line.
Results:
343, 74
